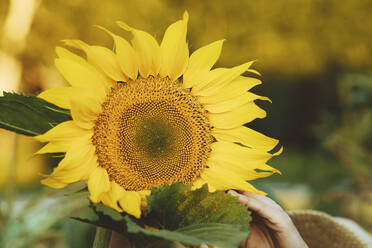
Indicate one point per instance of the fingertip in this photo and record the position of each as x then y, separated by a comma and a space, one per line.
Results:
233, 192
247, 193
241, 198
254, 195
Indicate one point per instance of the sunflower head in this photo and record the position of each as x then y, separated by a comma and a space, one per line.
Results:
152, 131
148, 114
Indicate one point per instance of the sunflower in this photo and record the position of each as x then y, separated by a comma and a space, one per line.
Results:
145, 114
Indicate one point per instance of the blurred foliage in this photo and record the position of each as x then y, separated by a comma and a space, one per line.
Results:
336, 174
315, 56
27, 167
288, 37
351, 141
30, 220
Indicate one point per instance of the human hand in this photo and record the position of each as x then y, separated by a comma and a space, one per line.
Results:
271, 227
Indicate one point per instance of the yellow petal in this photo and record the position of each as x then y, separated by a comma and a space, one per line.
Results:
75, 166
80, 150
235, 88
53, 183
67, 55
107, 61
107, 201
147, 51
63, 53
200, 62
63, 145
246, 136
223, 179
101, 57
63, 131
54, 147
125, 55
233, 103
237, 154
58, 96
131, 203
98, 183
143, 194
85, 110
254, 72
113, 195
198, 184
82, 76
117, 191
237, 117
218, 78
174, 52
245, 171
89, 166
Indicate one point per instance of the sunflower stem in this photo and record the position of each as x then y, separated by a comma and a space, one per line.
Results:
102, 238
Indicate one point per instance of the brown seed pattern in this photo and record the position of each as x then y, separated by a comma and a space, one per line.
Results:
151, 131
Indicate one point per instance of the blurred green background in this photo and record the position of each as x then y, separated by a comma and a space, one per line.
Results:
315, 57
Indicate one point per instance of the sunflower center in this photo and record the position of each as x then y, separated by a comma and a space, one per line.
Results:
152, 130
154, 138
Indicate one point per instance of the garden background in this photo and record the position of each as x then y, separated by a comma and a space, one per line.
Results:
315, 58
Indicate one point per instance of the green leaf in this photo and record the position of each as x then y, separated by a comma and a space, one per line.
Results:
217, 234
100, 215
114, 215
72, 188
213, 218
162, 203
217, 207
164, 234
176, 206
29, 115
